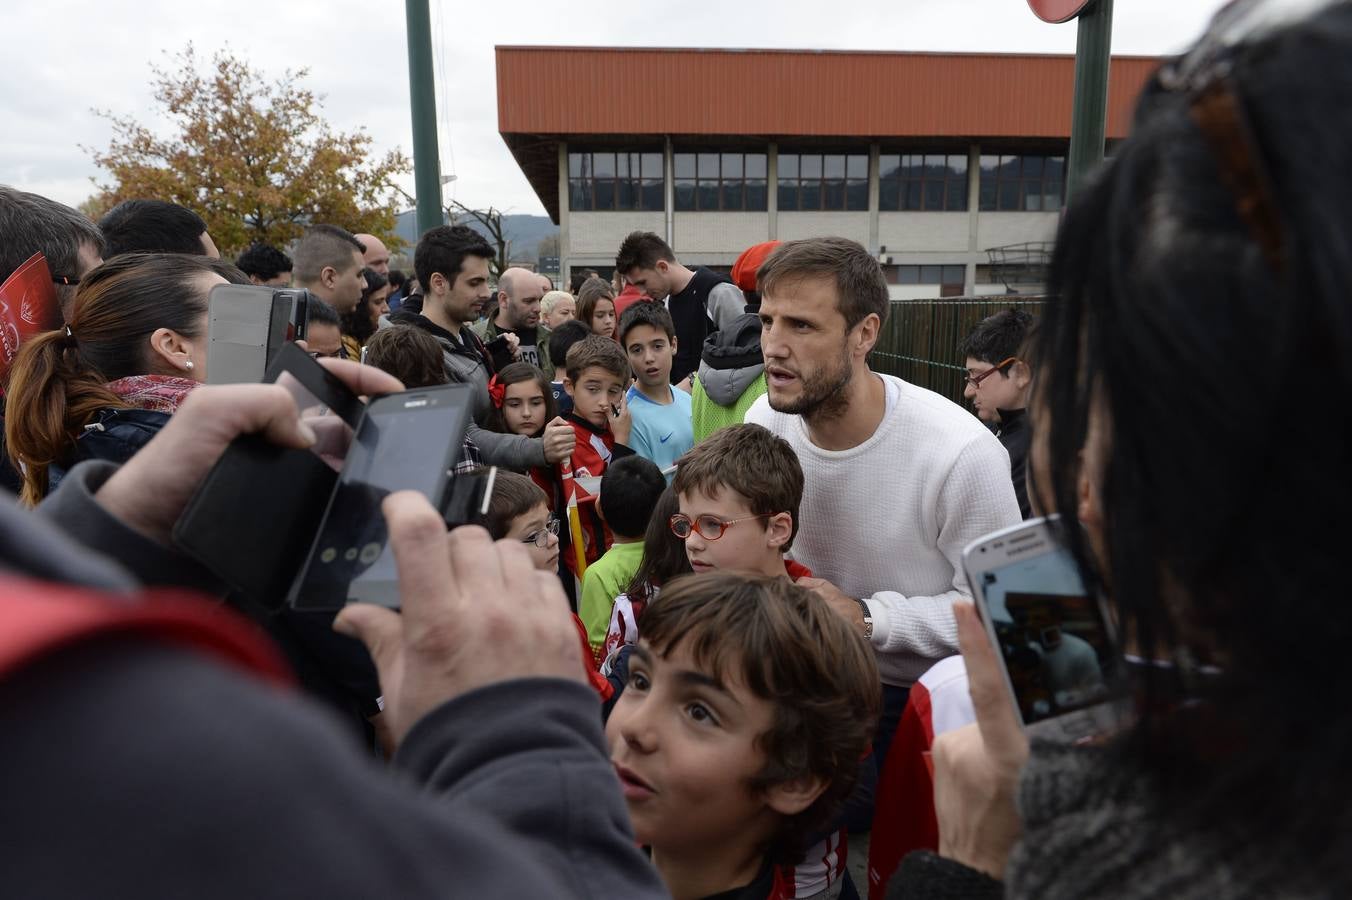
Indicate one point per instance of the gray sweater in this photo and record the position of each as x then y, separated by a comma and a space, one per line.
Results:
140, 769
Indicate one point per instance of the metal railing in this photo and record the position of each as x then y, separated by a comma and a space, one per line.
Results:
919, 340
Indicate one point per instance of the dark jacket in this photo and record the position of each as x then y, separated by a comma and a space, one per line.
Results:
732, 359
467, 361
488, 330
695, 316
114, 436
1014, 434
146, 770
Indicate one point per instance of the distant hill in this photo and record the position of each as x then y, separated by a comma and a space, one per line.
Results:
525, 232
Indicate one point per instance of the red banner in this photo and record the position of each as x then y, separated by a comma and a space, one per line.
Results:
28, 306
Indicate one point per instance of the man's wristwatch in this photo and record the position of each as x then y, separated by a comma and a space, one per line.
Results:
868, 619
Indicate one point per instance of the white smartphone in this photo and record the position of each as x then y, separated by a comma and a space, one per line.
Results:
1055, 641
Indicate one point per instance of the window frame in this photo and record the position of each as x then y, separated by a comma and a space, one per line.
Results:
711, 184
814, 175
625, 189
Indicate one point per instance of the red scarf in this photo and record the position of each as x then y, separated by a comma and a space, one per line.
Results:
160, 393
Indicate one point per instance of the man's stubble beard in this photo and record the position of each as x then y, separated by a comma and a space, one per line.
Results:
825, 396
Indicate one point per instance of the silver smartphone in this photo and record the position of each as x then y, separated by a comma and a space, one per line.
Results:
246, 327
1054, 639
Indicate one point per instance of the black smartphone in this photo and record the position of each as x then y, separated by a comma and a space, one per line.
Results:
405, 441
1053, 637
297, 303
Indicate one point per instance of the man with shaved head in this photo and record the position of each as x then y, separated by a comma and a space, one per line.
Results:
374, 255
518, 312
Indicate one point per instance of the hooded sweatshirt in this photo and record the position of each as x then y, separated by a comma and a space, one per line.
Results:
731, 376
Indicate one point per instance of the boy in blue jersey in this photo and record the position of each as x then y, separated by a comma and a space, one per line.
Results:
661, 413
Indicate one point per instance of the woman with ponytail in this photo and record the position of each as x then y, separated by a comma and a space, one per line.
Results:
101, 388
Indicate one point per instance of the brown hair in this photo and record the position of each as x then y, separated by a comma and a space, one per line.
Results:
513, 495
792, 650
409, 354
515, 374
861, 289
603, 353
592, 292
59, 381
753, 463
642, 250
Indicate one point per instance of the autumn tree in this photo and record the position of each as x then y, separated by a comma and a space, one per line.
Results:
252, 156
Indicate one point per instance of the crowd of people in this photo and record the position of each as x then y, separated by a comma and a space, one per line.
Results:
721, 562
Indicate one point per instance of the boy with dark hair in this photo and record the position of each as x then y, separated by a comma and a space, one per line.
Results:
265, 264
629, 491
700, 300
660, 412
452, 267
155, 226
595, 377
998, 380
409, 354
747, 708
561, 340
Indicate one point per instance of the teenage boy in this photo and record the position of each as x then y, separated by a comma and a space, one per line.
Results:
629, 491
595, 378
997, 383
561, 340
747, 708
700, 300
661, 413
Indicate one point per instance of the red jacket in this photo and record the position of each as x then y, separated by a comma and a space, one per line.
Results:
591, 457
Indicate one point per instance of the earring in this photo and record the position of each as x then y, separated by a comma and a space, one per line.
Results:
187, 364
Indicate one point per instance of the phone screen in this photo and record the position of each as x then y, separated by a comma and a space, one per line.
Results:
405, 442
1057, 648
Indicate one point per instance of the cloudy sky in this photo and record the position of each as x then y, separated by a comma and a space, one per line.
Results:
68, 58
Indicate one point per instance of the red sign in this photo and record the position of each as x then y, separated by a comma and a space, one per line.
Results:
1056, 11
28, 306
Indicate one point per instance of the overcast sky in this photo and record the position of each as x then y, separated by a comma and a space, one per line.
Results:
66, 58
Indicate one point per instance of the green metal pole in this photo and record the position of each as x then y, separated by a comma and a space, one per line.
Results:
423, 100
1089, 118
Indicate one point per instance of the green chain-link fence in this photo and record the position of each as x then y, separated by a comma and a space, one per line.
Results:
919, 340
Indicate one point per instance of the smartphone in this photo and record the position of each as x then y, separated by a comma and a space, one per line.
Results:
405, 441
1053, 637
247, 325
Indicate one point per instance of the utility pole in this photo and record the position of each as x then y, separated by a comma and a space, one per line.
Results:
1089, 117
423, 100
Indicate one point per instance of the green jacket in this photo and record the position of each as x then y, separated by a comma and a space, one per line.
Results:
487, 330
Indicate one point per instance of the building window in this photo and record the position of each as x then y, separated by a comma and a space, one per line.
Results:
931, 274
823, 181
927, 182
1022, 183
710, 182
614, 180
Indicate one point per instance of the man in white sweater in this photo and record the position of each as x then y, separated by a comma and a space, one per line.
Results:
898, 479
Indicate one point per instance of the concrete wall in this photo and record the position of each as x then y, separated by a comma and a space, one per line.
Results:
797, 225
719, 232
910, 232
600, 233
996, 229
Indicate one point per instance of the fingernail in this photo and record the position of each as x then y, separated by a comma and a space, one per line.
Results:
308, 434
344, 627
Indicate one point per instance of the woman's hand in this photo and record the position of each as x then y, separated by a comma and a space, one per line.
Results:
976, 768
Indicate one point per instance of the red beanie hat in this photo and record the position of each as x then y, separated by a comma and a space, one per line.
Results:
744, 270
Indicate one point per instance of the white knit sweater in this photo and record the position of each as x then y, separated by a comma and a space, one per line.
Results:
887, 520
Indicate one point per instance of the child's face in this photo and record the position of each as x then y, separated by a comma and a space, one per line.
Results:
650, 351
595, 394
546, 558
603, 318
684, 746
750, 546
523, 408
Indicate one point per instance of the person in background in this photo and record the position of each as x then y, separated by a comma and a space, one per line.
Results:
627, 296
664, 558
519, 511
362, 322
522, 402
103, 387
997, 381
546, 283
324, 332
596, 307
700, 300
560, 342
328, 264
661, 412
409, 354
398, 281
557, 307
630, 490
374, 255
155, 226
265, 265
517, 311
731, 370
